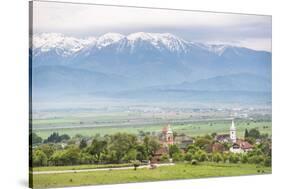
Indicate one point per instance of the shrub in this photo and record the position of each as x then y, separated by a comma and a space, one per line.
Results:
267, 162
256, 159
188, 156
194, 162
177, 157
217, 157
234, 158
244, 159
164, 158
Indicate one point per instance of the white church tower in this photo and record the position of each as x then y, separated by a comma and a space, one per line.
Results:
232, 132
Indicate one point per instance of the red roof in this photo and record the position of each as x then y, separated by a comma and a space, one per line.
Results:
244, 144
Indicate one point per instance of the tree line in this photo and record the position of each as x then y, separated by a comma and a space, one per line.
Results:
60, 150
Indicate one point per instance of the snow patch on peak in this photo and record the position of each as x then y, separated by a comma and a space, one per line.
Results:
109, 38
62, 44
140, 36
159, 40
218, 49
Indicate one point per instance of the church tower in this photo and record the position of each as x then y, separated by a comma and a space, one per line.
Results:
232, 133
168, 135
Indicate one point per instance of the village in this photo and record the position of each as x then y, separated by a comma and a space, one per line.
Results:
165, 146
221, 141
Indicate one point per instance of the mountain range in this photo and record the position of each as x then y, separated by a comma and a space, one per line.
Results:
130, 66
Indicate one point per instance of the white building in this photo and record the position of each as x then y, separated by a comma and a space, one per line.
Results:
232, 133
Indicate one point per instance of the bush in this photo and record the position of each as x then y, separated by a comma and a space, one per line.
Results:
39, 158
194, 162
267, 162
164, 158
256, 159
234, 158
188, 156
177, 157
217, 157
244, 159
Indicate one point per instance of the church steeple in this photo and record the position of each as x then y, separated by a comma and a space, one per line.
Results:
168, 135
232, 131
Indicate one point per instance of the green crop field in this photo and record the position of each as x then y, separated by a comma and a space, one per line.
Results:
191, 129
178, 171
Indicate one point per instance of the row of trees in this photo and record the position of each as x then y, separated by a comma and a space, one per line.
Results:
124, 148
117, 148
53, 138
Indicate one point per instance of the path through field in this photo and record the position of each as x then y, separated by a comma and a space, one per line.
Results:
98, 169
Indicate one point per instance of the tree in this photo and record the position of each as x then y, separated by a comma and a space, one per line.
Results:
71, 155
97, 148
39, 158
214, 134
54, 137
173, 149
254, 133
141, 152
85, 158
246, 134
136, 164
48, 149
35, 138
64, 137
121, 143
83, 144
111, 157
57, 158
151, 145
130, 155
203, 142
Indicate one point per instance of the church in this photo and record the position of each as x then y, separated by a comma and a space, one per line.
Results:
238, 145
167, 136
231, 137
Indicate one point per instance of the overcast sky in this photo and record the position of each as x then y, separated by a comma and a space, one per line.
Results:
80, 20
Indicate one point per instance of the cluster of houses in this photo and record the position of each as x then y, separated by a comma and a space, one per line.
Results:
167, 138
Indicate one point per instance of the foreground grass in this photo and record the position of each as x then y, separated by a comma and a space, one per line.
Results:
79, 167
178, 171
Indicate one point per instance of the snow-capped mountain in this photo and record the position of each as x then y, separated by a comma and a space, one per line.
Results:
123, 62
70, 45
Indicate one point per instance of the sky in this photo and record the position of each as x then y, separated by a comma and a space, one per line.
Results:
84, 20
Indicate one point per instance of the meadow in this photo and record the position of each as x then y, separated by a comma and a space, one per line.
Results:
196, 128
178, 171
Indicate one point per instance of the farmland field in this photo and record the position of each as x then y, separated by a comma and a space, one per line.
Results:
178, 171
195, 128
